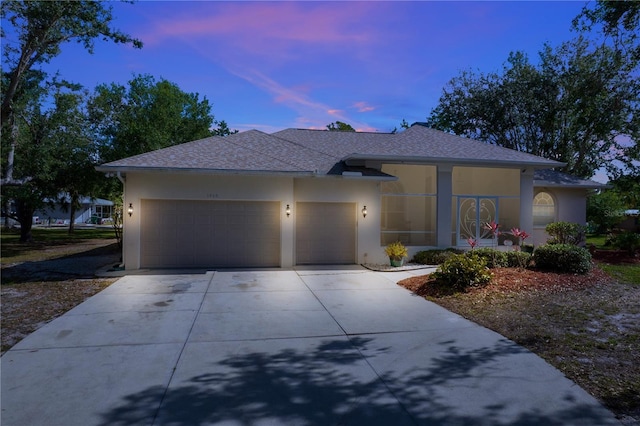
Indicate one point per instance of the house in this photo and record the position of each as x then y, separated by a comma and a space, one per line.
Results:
630, 221
298, 197
91, 210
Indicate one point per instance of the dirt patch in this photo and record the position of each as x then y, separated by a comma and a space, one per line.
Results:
587, 326
28, 306
35, 292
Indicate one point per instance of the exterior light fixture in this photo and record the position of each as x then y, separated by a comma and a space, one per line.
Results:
130, 209
364, 211
288, 210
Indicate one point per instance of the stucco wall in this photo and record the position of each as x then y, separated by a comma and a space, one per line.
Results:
570, 205
285, 189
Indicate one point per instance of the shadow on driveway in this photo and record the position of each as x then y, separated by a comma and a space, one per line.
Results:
330, 385
78, 265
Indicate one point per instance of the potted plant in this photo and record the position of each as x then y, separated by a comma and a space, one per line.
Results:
396, 252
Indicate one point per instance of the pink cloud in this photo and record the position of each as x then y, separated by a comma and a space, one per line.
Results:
363, 107
254, 24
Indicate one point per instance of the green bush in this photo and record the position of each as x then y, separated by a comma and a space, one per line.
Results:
463, 270
518, 259
493, 258
629, 241
435, 256
566, 233
562, 258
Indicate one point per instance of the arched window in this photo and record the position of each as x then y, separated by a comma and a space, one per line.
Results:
544, 209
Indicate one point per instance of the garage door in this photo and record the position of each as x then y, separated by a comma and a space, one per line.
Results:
325, 233
182, 234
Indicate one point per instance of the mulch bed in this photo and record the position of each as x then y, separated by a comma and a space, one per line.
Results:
615, 257
511, 280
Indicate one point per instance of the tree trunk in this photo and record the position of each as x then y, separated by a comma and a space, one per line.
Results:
72, 216
6, 206
25, 217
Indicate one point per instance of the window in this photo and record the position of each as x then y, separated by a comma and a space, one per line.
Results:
409, 205
544, 209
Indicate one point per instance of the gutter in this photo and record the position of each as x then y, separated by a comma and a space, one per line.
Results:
548, 164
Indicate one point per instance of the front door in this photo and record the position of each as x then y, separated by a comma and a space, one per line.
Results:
473, 213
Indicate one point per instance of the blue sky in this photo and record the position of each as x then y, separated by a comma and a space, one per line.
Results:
274, 65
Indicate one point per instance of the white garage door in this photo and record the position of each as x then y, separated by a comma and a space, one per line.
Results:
325, 233
184, 234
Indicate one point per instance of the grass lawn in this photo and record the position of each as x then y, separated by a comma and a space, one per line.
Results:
48, 243
598, 241
624, 273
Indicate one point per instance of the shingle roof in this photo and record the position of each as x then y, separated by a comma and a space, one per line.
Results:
552, 178
250, 151
417, 143
320, 151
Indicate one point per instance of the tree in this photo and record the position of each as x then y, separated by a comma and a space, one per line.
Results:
41, 28
223, 129
628, 188
339, 126
74, 173
403, 125
605, 210
146, 115
620, 20
48, 142
576, 107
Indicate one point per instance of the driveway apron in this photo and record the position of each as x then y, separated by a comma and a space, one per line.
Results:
312, 346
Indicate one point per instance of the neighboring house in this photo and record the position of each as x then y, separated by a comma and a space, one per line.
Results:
95, 208
299, 197
630, 220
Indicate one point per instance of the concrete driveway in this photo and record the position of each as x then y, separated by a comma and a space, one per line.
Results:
324, 346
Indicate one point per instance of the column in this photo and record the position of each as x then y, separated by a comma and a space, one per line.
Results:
526, 200
445, 192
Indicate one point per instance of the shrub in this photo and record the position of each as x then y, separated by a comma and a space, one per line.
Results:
629, 241
463, 270
565, 233
562, 258
493, 258
435, 256
518, 259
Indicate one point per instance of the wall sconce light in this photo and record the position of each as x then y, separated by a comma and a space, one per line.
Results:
364, 211
130, 209
288, 210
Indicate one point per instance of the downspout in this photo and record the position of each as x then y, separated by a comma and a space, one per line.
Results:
122, 179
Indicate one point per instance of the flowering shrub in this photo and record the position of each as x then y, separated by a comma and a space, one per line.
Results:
520, 236
472, 242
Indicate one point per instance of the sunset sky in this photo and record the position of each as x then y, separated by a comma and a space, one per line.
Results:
273, 65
